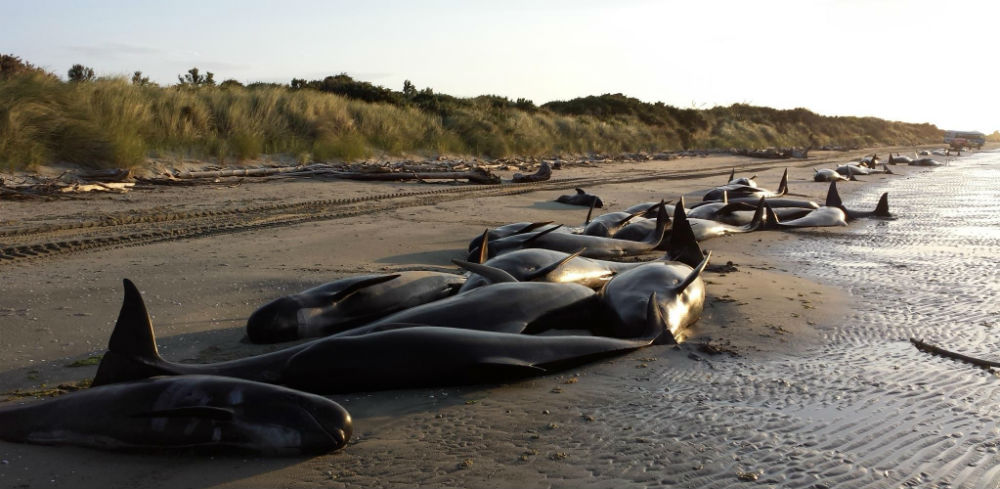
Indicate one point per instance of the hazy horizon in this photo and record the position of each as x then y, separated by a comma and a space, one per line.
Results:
890, 59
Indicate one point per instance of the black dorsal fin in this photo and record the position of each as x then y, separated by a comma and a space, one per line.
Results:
133, 334
732, 174
882, 209
132, 352
492, 275
833, 196
661, 225
579, 191
683, 246
758, 217
543, 272
484, 247
772, 219
590, 212
783, 185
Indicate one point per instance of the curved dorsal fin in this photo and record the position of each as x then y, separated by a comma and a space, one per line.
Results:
133, 333
833, 196
683, 246
882, 209
783, 185
484, 248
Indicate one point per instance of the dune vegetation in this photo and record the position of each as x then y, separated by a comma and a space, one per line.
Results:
120, 122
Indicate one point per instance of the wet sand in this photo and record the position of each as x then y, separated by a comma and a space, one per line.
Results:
686, 416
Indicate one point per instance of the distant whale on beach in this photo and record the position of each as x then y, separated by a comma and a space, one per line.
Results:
581, 198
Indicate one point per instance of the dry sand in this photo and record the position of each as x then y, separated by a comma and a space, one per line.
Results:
586, 427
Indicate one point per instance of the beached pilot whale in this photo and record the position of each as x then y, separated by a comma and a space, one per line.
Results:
556, 266
592, 246
678, 290
347, 303
743, 191
881, 209
828, 175
581, 198
416, 356
823, 217
194, 411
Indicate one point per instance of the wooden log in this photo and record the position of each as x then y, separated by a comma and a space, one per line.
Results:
475, 175
237, 172
926, 347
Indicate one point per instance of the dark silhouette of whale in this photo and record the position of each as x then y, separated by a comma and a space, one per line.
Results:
581, 198
184, 412
412, 356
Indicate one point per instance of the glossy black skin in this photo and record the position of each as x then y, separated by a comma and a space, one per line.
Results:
511, 307
322, 311
217, 414
412, 356
627, 296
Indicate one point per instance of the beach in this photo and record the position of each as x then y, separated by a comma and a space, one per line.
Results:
793, 377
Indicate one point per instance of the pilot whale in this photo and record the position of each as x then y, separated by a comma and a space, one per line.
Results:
183, 412
347, 303
416, 356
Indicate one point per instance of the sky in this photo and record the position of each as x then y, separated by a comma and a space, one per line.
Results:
912, 61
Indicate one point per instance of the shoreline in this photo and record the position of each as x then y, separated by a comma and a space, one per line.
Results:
198, 290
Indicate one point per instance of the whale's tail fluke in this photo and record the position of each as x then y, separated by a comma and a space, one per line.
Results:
132, 352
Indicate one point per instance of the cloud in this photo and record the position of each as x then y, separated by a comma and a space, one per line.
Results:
114, 49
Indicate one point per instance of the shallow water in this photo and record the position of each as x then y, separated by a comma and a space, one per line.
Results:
866, 409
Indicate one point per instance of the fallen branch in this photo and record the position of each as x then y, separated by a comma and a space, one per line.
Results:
475, 175
926, 347
241, 172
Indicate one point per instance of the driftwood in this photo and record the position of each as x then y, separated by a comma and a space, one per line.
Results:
475, 175
926, 347
97, 187
772, 153
239, 172
544, 173
109, 175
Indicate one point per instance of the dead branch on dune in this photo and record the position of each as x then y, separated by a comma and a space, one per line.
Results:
926, 347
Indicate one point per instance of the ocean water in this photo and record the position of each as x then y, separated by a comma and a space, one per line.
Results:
865, 408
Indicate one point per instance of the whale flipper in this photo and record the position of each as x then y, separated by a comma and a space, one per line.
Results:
492, 274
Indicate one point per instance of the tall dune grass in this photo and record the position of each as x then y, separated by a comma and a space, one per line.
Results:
112, 123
